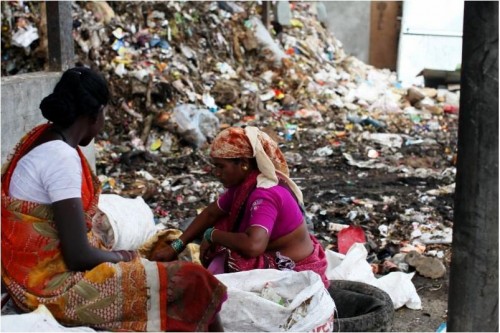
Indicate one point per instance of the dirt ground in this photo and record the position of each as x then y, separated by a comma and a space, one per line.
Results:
433, 292
344, 179
434, 296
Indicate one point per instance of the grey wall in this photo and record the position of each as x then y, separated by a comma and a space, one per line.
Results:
349, 21
21, 96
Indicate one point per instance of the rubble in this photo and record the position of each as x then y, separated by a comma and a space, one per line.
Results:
365, 151
429, 267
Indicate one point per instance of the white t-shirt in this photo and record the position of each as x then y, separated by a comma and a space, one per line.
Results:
50, 172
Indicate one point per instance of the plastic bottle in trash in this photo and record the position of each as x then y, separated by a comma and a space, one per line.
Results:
290, 131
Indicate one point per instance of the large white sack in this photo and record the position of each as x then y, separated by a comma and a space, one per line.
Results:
253, 302
40, 320
131, 221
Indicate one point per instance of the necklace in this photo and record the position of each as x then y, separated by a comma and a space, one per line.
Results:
60, 133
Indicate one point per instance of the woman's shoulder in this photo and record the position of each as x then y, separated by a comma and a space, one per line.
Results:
51, 152
58, 147
276, 192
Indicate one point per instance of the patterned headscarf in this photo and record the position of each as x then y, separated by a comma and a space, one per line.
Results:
250, 142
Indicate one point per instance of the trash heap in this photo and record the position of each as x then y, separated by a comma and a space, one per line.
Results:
374, 160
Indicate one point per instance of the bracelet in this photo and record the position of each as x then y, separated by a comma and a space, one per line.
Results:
177, 245
208, 234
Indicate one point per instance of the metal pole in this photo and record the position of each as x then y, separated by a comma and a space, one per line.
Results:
473, 293
59, 34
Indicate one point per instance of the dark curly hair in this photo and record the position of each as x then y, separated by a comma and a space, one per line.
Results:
80, 91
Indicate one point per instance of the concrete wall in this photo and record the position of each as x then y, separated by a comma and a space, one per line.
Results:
349, 21
21, 96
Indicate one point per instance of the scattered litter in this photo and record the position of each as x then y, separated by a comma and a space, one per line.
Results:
364, 151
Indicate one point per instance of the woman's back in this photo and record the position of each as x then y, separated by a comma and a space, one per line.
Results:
274, 209
49, 172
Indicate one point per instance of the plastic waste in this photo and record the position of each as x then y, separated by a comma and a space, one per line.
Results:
269, 292
209, 101
385, 139
194, 124
365, 121
291, 129
314, 115
354, 267
25, 36
323, 151
266, 40
348, 236
441, 328
310, 305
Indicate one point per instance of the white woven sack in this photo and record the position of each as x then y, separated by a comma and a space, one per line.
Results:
309, 305
131, 220
40, 320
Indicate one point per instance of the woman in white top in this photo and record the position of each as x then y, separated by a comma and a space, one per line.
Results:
50, 255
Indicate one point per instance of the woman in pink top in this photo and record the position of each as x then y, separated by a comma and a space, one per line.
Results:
258, 222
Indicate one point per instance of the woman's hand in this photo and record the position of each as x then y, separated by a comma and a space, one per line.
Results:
205, 247
79, 255
165, 253
125, 255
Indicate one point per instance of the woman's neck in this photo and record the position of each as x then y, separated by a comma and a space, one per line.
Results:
60, 133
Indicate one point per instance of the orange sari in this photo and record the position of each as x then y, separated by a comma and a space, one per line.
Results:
140, 295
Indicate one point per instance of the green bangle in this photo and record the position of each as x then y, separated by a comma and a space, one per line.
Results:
208, 234
177, 245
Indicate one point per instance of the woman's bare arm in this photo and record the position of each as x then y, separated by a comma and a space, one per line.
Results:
251, 243
206, 219
78, 254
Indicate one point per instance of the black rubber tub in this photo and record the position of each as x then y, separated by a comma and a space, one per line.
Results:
361, 307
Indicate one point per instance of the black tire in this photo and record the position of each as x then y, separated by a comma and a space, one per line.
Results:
361, 307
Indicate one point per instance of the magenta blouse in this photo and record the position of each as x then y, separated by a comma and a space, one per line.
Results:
274, 209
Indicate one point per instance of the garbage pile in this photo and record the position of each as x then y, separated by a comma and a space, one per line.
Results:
374, 160
22, 48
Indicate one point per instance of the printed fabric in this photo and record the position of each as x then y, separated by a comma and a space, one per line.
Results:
140, 295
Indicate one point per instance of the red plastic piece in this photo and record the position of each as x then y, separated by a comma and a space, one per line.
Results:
348, 236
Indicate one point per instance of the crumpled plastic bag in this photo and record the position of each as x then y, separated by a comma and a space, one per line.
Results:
25, 36
348, 236
266, 40
386, 139
354, 267
194, 124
